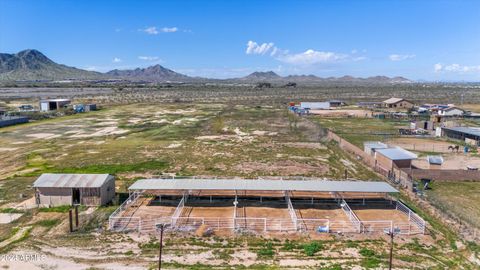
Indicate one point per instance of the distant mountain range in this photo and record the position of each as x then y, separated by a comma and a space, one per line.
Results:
32, 65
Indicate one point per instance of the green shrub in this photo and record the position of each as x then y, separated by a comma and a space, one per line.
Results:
312, 248
58, 209
49, 223
367, 252
266, 251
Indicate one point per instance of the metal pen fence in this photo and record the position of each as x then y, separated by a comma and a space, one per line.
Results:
412, 216
351, 215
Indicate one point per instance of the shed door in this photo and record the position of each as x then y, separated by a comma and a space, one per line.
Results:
75, 196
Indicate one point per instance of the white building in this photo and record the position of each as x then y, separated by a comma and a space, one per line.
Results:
315, 105
451, 111
53, 104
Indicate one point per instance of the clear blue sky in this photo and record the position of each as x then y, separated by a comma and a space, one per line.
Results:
431, 40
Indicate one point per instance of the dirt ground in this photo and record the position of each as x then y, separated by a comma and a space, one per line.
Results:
208, 212
365, 214
455, 161
342, 113
319, 212
268, 210
149, 210
421, 144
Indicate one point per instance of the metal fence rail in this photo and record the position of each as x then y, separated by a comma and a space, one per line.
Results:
351, 215
179, 209
291, 210
412, 216
115, 220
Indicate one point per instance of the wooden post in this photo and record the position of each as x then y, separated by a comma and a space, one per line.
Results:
70, 219
162, 226
391, 250
76, 216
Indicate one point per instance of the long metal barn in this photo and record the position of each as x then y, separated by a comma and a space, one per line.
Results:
264, 206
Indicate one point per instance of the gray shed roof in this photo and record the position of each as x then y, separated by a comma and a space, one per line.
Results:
475, 131
71, 180
262, 184
397, 153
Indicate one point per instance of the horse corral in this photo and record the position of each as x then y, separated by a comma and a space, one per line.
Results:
264, 206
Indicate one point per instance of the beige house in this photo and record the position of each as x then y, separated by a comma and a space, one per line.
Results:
398, 103
74, 189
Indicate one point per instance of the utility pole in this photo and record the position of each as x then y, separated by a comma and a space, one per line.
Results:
391, 251
161, 227
392, 233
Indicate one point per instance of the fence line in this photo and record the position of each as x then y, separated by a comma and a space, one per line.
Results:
351, 215
179, 209
113, 218
412, 216
291, 210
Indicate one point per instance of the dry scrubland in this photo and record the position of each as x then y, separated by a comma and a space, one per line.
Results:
238, 134
248, 94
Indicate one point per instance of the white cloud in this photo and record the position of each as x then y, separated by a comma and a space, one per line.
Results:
456, 68
149, 58
254, 48
310, 57
169, 29
152, 30
400, 57
116, 60
359, 58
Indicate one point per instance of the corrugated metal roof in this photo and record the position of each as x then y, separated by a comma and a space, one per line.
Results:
262, 184
71, 180
475, 131
397, 153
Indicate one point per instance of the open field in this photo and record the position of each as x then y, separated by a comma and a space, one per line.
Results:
460, 199
187, 139
360, 130
247, 94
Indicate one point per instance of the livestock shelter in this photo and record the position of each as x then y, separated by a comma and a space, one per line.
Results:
264, 206
74, 189
470, 135
394, 157
53, 104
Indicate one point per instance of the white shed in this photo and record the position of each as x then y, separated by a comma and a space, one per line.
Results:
53, 104
315, 105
